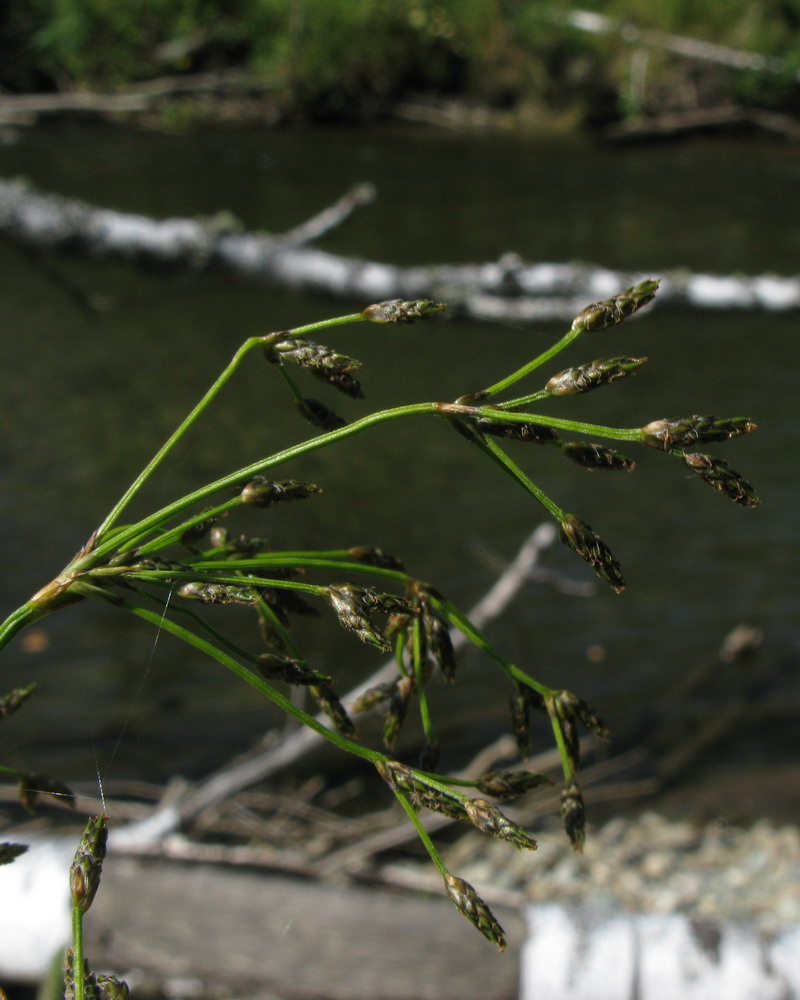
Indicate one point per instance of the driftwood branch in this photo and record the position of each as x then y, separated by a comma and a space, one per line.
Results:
672, 123
508, 290
26, 109
690, 48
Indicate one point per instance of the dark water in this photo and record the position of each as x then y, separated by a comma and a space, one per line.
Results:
85, 402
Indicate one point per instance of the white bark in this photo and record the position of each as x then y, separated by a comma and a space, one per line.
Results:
617, 956
509, 289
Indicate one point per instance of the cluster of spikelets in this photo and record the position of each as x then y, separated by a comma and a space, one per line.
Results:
138, 565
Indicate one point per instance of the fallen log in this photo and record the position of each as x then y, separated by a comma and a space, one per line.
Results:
508, 289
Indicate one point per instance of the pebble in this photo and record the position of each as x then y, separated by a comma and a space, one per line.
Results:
649, 864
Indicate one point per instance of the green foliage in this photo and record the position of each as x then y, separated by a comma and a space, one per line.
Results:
324, 58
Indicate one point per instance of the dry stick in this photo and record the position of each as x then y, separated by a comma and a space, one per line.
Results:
331, 217
169, 816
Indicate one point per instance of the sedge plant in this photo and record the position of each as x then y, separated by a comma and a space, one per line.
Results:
190, 549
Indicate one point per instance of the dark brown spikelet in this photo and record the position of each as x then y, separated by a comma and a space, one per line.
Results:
375, 557
423, 797
9, 851
286, 602
719, 475
30, 786
217, 593
14, 700
530, 432
420, 794
508, 785
398, 709
319, 415
374, 696
399, 311
90, 990
111, 988
611, 312
261, 492
490, 820
288, 669
469, 904
332, 706
571, 704
353, 605
573, 815
578, 536
438, 643
192, 536
84, 874
682, 432
594, 456
323, 362
429, 756
563, 717
584, 378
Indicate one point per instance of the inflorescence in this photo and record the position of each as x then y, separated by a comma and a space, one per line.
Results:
190, 549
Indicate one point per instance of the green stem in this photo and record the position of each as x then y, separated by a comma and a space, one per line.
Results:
198, 410
51, 597
175, 437
422, 833
558, 423
308, 560
232, 579
557, 348
166, 538
563, 753
422, 697
496, 453
534, 397
324, 324
77, 953
18, 620
124, 539
457, 618
200, 622
248, 676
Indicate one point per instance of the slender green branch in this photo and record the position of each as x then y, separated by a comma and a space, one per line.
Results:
537, 362
422, 833
324, 324
78, 974
166, 624
558, 423
457, 618
419, 673
125, 538
233, 579
307, 560
277, 626
563, 752
534, 397
176, 436
203, 404
199, 621
496, 453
